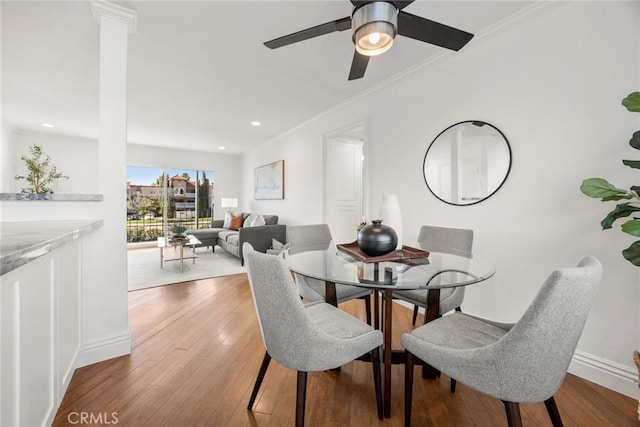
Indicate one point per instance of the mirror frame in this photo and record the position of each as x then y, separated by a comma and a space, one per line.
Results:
504, 179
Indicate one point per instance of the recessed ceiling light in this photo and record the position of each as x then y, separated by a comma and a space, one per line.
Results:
221, 148
255, 123
47, 125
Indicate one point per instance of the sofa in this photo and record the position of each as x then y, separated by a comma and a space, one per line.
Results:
259, 236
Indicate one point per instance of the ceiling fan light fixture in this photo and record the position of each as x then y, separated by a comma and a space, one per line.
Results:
374, 28
374, 38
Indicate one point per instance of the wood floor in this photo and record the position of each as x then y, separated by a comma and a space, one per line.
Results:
197, 348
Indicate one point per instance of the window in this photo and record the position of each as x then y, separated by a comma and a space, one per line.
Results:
150, 215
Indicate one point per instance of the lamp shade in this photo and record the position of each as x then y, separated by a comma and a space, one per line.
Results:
226, 202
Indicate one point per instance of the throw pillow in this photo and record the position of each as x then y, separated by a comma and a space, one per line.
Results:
254, 220
227, 219
236, 222
248, 222
278, 246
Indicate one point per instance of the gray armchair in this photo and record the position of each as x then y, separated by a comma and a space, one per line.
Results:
522, 362
315, 337
302, 237
440, 239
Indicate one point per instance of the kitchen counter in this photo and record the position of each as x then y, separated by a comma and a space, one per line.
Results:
56, 197
23, 241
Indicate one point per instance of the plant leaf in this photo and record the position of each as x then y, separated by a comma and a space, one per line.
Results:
635, 140
632, 227
632, 102
632, 253
621, 211
632, 163
601, 188
617, 197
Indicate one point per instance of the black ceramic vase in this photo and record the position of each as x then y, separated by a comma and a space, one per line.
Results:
377, 239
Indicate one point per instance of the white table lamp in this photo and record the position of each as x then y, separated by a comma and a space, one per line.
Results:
229, 203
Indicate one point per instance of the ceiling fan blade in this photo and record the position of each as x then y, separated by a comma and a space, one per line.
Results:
400, 4
432, 32
358, 65
318, 30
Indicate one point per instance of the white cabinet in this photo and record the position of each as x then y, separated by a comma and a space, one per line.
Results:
40, 306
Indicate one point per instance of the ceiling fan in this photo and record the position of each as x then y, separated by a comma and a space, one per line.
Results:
375, 25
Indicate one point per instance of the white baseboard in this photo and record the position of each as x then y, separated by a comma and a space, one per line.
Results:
616, 377
93, 352
620, 378
64, 385
104, 349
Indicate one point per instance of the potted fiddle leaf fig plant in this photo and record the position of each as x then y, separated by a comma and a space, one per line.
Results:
600, 188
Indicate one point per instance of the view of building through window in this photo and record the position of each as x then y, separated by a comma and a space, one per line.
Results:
159, 198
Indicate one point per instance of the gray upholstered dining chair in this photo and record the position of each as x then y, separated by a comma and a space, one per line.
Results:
440, 239
522, 362
312, 337
300, 237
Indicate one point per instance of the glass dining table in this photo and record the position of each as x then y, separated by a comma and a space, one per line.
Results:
328, 263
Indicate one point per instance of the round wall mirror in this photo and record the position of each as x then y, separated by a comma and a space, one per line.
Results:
467, 163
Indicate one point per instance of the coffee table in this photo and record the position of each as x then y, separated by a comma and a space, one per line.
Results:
177, 253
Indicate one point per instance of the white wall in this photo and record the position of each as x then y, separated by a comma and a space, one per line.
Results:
553, 83
75, 157
6, 156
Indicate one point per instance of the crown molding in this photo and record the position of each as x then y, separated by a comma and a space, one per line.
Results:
105, 8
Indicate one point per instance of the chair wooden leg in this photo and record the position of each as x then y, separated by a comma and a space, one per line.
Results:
513, 414
382, 313
376, 307
377, 379
301, 396
409, 362
554, 414
256, 387
367, 308
415, 315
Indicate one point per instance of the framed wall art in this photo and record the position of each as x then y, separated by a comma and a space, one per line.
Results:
269, 181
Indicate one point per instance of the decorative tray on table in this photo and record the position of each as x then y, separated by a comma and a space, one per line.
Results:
407, 254
178, 239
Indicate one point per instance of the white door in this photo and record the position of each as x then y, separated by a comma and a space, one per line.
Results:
343, 186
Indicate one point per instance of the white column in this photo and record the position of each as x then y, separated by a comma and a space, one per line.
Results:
105, 320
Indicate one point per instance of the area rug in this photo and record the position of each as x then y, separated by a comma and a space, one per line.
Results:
144, 267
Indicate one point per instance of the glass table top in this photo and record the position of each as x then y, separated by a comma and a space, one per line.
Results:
324, 261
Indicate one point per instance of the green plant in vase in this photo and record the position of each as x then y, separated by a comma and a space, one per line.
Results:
41, 173
600, 188
178, 230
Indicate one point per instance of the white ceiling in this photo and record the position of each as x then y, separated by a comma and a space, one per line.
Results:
198, 71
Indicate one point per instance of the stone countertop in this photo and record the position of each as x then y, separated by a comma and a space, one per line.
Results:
23, 241
52, 197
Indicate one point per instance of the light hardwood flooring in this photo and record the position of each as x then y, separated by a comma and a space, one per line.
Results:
197, 349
